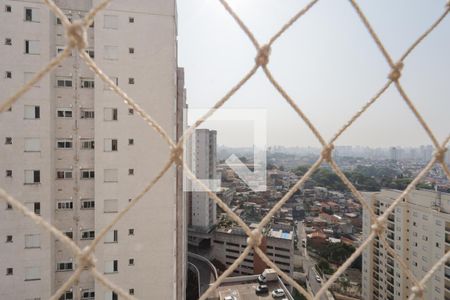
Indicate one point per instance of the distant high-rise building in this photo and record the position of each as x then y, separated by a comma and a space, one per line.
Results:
419, 231
203, 209
394, 153
75, 154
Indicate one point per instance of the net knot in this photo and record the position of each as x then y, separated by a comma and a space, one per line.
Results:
326, 152
396, 71
378, 227
177, 152
77, 35
440, 154
255, 239
86, 259
262, 58
417, 290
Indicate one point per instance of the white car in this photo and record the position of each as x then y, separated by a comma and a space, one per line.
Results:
278, 293
230, 298
318, 279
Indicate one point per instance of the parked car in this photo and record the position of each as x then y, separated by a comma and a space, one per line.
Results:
262, 289
230, 298
278, 293
318, 279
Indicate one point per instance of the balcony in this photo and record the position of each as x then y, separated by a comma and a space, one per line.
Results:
391, 226
390, 236
391, 218
447, 285
390, 262
391, 244
390, 271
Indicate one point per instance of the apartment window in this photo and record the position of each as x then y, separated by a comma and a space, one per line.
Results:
111, 237
87, 234
31, 14
111, 52
130, 171
8, 42
131, 231
60, 49
32, 176
87, 294
131, 50
68, 295
111, 145
90, 52
64, 266
32, 145
64, 143
111, 22
87, 204
110, 175
110, 114
9, 271
8, 206
9, 239
64, 205
131, 262
8, 74
87, 83
63, 174
32, 112
32, 47
87, 113
58, 21
8, 140
34, 207
32, 241
87, 144
87, 174
130, 80
110, 206
69, 234
131, 111
8, 8
111, 296
130, 142
115, 81
64, 113
64, 81
131, 19
111, 266
8, 173
32, 273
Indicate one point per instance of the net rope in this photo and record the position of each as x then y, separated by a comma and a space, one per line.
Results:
76, 38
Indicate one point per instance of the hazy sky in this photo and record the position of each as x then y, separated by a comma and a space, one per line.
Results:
327, 62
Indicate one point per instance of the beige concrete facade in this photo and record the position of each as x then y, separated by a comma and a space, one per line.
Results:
419, 231
75, 153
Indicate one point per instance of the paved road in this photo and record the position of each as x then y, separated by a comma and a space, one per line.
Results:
309, 263
206, 277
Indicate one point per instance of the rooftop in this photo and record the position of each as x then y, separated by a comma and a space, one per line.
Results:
243, 288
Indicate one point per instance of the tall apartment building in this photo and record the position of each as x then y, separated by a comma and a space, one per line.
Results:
75, 154
202, 209
419, 231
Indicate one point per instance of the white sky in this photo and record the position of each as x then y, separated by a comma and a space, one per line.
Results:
327, 62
